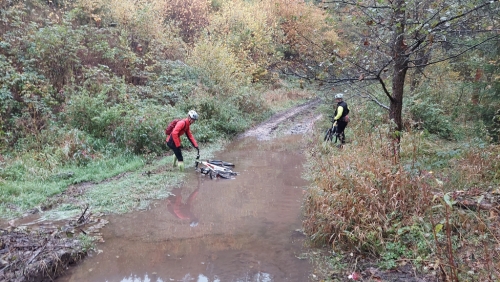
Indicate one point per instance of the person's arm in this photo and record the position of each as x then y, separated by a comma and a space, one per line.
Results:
191, 138
175, 132
340, 110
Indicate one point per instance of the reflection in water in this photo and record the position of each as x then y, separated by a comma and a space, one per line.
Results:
138, 279
258, 277
245, 232
182, 210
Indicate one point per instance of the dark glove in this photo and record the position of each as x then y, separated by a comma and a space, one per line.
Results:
198, 155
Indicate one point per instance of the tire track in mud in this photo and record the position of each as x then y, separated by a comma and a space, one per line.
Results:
265, 130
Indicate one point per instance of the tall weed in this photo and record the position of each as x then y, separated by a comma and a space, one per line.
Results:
415, 209
361, 198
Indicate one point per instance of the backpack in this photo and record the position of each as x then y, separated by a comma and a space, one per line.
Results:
171, 126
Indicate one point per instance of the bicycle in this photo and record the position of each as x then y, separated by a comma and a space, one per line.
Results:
331, 132
216, 168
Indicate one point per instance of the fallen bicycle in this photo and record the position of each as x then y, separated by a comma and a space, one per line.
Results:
216, 169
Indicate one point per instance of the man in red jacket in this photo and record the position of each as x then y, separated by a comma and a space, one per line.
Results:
174, 140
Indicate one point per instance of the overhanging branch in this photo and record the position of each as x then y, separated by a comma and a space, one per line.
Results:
357, 4
456, 55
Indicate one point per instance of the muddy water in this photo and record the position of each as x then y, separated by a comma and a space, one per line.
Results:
244, 229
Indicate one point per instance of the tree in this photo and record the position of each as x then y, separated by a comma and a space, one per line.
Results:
390, 38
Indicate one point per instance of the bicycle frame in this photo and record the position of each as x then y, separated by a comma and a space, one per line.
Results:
331, 132
215, 171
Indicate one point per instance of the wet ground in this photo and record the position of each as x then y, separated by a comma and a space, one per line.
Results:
243, 229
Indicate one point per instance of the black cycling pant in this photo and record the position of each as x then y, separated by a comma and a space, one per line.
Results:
177, 151
341, 125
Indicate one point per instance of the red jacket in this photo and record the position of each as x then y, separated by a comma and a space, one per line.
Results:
179, 209
180, 128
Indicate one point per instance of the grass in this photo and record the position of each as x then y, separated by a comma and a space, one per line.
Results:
38, 183
117, 185
365, 201
283, 98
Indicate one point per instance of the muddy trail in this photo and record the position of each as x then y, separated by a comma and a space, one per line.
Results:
243, 229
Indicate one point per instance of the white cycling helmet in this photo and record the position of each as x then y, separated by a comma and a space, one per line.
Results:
192, 114
339, 96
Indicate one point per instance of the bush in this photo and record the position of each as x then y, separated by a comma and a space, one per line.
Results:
221, 70
250, 30
360, 195
55, 49
142, 129
364, 200
90, 114
172, 81
218, 118
432, 118
190, 16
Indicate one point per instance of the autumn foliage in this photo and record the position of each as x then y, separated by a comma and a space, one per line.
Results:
190, 16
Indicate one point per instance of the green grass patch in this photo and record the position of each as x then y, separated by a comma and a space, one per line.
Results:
38, 184
116, 185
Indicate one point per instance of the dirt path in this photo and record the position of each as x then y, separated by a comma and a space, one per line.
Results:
297, 120
41, 251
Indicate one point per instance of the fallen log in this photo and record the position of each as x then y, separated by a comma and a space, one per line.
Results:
460, 200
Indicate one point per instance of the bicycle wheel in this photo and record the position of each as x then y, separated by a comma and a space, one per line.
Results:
328, 135
223, 174
221, 163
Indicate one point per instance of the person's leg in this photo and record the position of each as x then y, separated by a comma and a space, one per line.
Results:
177, 155
340, 131
181, 166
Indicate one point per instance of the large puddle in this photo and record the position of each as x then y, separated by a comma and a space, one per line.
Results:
244, 229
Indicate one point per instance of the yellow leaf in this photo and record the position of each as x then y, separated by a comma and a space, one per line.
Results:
438, 228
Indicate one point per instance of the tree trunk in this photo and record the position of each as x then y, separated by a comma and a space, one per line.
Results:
400, 67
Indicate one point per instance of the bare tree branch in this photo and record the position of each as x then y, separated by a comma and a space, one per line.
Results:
465, 13
365, 94
357, 4
458, 54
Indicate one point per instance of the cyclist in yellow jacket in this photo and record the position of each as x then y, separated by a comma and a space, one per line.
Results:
340, 116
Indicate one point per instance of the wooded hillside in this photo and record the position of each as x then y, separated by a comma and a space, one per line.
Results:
90, 85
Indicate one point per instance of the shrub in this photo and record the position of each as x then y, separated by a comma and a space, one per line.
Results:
172, 81
218, 118
250, 30
219, 66
26, 102
72, 147
364, 200
142, 129
433, 118
55, 48
308, 31
190, 16
360, 194
89, 113
139, 23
